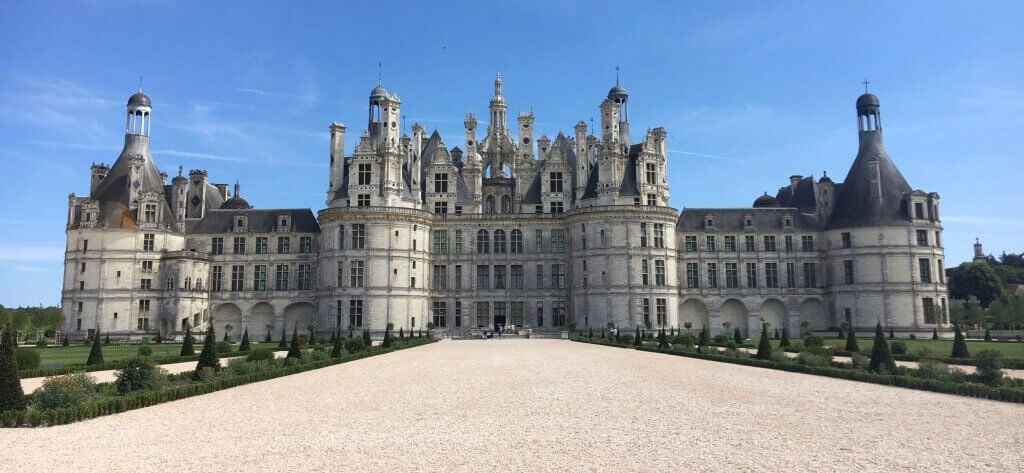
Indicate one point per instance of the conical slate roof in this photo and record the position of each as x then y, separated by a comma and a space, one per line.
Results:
873, 192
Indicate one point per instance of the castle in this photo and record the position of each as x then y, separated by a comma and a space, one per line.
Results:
544, 235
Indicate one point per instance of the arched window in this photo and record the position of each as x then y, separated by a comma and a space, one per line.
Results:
188, 284
170, 284
506, 204
517, 241
489, 205
199, 284
482, 242
499, 242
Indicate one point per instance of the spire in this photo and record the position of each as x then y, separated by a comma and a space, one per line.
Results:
979, 254
497, 85
238, 189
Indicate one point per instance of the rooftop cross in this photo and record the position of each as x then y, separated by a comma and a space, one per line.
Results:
866, 82
380, 72
616, 75
140, 82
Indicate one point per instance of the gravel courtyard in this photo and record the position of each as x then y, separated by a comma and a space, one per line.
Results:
538, 405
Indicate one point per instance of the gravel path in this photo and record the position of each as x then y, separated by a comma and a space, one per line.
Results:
539, 405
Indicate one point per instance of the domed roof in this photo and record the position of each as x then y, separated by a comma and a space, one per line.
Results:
379, 91
139, 99
765, 201
867, 101
236, 203
618, 92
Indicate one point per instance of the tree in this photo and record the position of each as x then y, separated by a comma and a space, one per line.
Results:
293, 349
336, 344
12, 398
851, 341
988, 336
366, 338
764, 348
638, 341
784, 342
736, 337
590, 334
187, 348
387, 337
208, 358
776, 337
66, 342
976, 279
96, 353
688, 325
842, 331
673, 331
312, 334
959, 345
935, 333
881, 355
891, 334
334, 336
662, 339
804, 326
704, 338
268, 339
989, 367
245, 341
284, 340
106, 341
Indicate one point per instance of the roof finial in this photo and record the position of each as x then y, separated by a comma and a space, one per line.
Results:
238, 189
140, 82
866, 82
380, 72
616, 75
180, 169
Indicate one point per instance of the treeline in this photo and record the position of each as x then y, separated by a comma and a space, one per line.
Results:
982, 292
31, 319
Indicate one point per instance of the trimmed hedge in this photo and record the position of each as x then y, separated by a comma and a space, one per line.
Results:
962, 389
109, 365
139, 399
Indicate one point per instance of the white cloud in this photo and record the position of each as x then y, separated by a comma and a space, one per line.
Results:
195, 155
19, 252
983, 220
703, 155
31, 269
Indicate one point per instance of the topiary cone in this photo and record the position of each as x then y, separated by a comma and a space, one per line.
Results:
187, 349
784, 342
244, 346
336, 344
736, 337
96, 353
12, 398
764, 348
959, 345
851, 341
284, 340
293, 349
208, 357
881, 355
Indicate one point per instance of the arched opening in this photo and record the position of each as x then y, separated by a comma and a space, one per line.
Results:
506, 204
262, 320
489, 205
508, 170
695, 312
813, 312
734, 312
773, 311
227, 320
301, 315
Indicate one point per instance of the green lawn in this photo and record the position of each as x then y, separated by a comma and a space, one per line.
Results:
56, 357
938, 347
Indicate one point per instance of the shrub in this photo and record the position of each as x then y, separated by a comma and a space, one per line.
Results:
366, 338
316, 356
12, 398
913, 336
860, 361
637, 340
776, 336
851, 340
814, 359
145, 350
239, 366
812, 340
96, 353
106, 341
764, 348
922, 352
41, 343
26, 358
704, 337
899, 348
935, 333
737, 337
931, 369
138, 374
989, 367
881, 356
662, 339
354, 345
988, 335
65, 342
268, 339
260, 354
959, 345
284, 341
208, 358
223, 347
244, 346
293, 348
721, 339
892, 336
784, 342
779, 356
336, 344
187, 346
64, 391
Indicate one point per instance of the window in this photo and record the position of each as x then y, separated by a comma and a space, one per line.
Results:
690, 243
732, 279
810, 275
239, 246
846, 240
649, 173
358, 236
926, 270
237, 277
150, 213
540, 313
557, 276
789, 242
147, 266
364, 172
769, 243
771, 274
458, 277
440, 318
558, 241
516, 308
939, 270
712, 275
807, 242
730, 243
284, 245
440, 242
458, 242
499, 313
790, 274
85, 245
500, 245
922, 238
558, 313
259, 277
261, 245
659, 272
489, 205
604, 238
483, 276
751, 274
748, 243
355, 312
652, 200
643, 235
483, 242
645, 272
645, 306
938, 240
412, 281
341, 273
363, 200
499, 276
82, 269
217, 246
305, 244
517, 277
146, 284
355, 273
216, 278
661, 307
918, 210
458, 313
848, 271
516, 243
483, 314
147, 242
659, 235
557, 207
709, 243
692, 276
929, 310
281, 280
144, 305
540, 276
538, 241
305, 277
555, 182
441, 182
441, 207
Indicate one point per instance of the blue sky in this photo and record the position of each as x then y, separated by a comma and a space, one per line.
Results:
750, 93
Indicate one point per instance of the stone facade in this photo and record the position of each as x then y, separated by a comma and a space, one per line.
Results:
546, 235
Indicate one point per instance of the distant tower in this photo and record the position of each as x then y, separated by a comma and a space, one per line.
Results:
498, 109
582, 160
979, 254
620, 97
337, 163
179, 189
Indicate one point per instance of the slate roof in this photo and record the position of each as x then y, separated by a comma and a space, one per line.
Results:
260, 221
731, 220
804, 197
856, 205
113, 192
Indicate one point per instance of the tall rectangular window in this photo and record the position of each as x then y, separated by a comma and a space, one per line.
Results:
789, 242
709, 243
284, 245
441, 182
748, 243
555, 181
237, 277
558, 313
261, 245
305, 244
483, 276
483, 314
659, 272
645, 309
355, 273
150, 213
364, 172
440, 242
558, 276
341, 237
692, 276
516, 241
848, 271
732, 278
540, 313
643, 235
771, 274
649, 173
148, 242
281, 278
239, 245
146, 284
358, 236
730, 243
751, 274
458, 277
440, 277
645, 272
440, 314
341, 273
517, 277
304, 278
690, 243
929, 310
499, 276
538, 241
925, 267
922, 238
846, 239
217, 279
355, 312
516, 309
217, 246
712, 275
807, 243
810, 275
558, 241
659, 235
540, 276
458, 242
769, 243
661, 308
259, 277
790, 274
458, 313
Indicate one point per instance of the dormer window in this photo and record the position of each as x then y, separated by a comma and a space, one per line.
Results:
284, 223
748, 221
918, 210
241, 224
788, 221
709, 222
